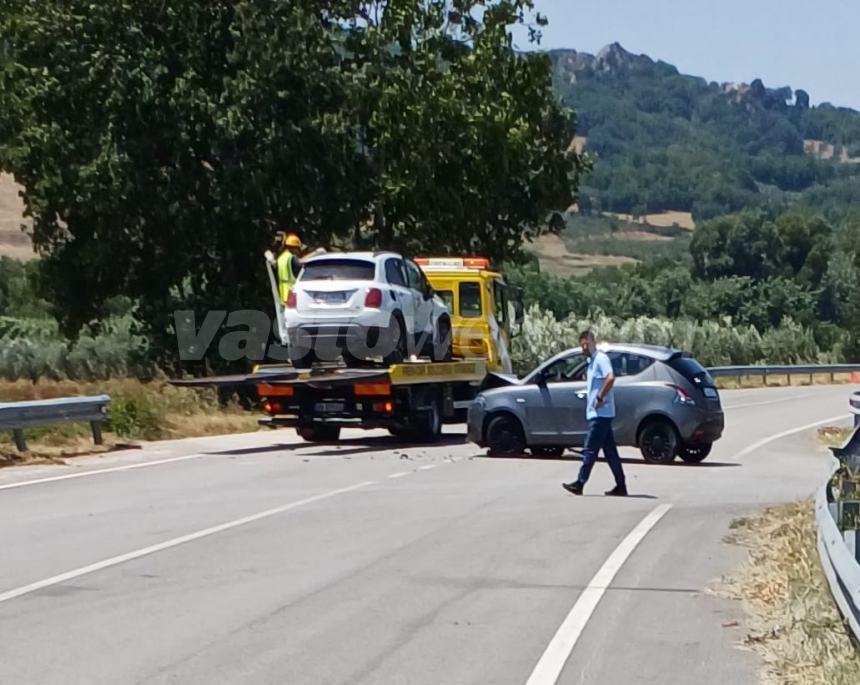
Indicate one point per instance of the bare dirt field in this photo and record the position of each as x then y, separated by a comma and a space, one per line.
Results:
13, 242
555, 259
663, 219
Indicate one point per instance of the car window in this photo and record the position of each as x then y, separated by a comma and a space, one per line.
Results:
414, 276
470, 300
694, 372
627, 364
447, 296
394, 272
338, 270
566, 370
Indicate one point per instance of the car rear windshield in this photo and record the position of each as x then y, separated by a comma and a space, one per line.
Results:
690, 369
339, 270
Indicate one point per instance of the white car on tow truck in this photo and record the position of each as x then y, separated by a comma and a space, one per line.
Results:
362, 306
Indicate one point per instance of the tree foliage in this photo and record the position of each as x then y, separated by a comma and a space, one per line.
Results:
747, 270
160, 142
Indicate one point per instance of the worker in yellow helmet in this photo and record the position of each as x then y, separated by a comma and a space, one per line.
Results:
288, 263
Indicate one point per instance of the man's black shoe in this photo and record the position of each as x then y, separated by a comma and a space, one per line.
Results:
575, 487
617, 491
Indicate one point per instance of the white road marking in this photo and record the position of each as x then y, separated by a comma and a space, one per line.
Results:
175, 542
96, 472
427, 467
773, 438
399, 475
761, 404
558, 651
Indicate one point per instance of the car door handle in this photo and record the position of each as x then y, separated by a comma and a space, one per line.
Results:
581, 395
521, 400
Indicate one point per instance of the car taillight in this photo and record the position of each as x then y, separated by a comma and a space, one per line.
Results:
374, 298
291, 300
682, 397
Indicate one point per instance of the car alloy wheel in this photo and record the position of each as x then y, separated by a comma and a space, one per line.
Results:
505, 437
658, 442
397, 333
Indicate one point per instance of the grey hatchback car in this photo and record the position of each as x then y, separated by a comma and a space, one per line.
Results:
667, 405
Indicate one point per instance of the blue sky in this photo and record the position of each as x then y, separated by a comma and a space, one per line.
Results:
799, 43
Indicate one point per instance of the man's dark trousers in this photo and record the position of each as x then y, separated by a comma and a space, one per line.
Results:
600, 437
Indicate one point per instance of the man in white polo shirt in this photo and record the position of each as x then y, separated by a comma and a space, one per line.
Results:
599, 410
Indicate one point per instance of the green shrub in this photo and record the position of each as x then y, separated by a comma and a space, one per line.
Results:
110, 348
136, 416
713, 343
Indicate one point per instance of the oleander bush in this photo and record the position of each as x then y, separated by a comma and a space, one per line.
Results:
713, 343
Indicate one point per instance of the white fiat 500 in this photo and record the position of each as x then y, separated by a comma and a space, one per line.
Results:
362, 306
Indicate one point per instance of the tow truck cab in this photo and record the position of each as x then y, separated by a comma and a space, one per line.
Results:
484, 307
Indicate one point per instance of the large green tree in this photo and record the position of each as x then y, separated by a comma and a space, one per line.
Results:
159, 142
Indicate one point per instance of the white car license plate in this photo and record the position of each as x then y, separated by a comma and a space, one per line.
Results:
329, 407
330, 298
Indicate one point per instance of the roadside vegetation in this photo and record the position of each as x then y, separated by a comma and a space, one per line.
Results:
152, 410
755, 288
792, 621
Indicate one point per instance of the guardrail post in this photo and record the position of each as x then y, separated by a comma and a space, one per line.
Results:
20, 442
764, 377
97, 432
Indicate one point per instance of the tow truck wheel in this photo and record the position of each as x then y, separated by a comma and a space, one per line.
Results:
427, 426
321, 433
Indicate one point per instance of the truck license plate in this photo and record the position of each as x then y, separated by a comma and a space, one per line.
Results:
329, 407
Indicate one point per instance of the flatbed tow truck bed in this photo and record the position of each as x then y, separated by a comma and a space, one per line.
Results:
412, 399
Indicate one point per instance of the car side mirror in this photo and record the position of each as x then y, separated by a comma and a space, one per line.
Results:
428, 291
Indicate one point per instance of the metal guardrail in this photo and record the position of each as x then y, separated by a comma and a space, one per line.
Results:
16, 416
765, 370
838, 549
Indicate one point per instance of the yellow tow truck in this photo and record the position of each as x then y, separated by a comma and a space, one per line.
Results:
411, 399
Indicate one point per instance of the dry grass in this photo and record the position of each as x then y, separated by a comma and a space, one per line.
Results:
792, 621
664, 219
554, 258
139, 411
782, 381
830, 436
13, 242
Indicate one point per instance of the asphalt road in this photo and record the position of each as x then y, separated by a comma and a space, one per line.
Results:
259, 559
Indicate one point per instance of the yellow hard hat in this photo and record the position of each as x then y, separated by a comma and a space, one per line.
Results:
292, 240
